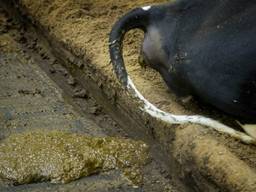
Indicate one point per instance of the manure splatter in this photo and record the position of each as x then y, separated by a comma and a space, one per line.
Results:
61, 157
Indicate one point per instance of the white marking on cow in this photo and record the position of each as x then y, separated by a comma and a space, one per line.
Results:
183, 119
113, 42
146, 8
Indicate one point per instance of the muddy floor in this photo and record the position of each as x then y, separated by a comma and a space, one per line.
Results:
38, 94
84, 26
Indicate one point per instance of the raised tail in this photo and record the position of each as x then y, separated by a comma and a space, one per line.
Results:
137, 18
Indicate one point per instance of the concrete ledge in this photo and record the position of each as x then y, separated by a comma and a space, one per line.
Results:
203, 159
199, 152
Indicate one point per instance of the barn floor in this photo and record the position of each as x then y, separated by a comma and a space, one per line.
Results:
77, 32
38, 94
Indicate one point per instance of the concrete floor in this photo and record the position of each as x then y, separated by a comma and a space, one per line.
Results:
30, 100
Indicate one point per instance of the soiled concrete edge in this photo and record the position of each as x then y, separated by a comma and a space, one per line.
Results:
203, 163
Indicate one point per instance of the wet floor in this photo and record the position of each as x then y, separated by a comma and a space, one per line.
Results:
30, 100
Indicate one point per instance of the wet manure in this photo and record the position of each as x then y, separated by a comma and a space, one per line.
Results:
61, 157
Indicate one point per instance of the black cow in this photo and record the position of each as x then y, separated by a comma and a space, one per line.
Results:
203, 48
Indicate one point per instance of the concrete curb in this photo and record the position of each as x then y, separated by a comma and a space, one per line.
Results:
203, 162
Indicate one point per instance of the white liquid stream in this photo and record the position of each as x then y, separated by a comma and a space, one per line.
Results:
183, 119
146, 8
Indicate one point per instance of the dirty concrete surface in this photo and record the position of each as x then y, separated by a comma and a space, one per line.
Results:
30, 100
205, 158
84, 27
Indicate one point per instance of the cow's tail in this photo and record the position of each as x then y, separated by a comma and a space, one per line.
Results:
137, 18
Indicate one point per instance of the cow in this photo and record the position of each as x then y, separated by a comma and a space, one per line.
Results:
201, 48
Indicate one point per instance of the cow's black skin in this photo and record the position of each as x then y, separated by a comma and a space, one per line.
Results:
204, 48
